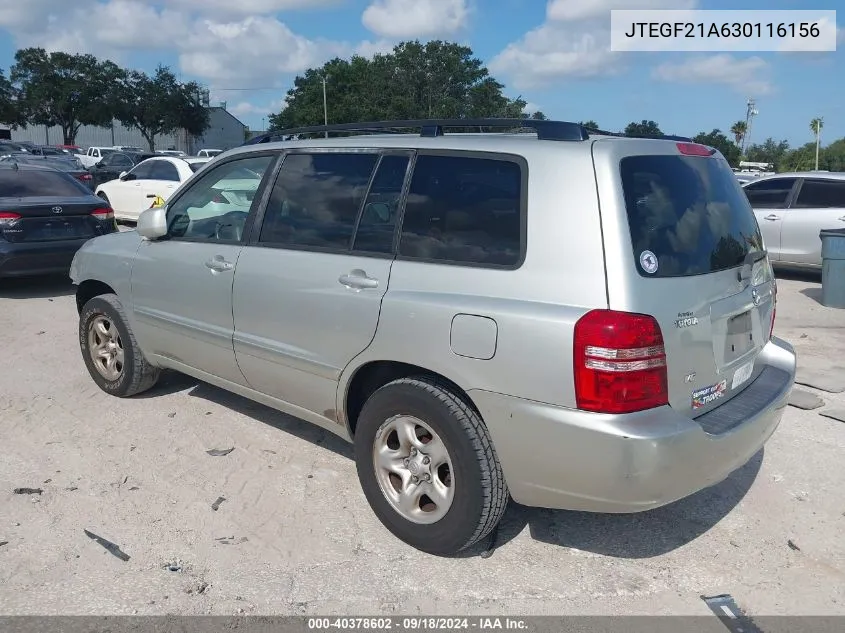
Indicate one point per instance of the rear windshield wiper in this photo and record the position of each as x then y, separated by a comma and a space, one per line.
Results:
751, 258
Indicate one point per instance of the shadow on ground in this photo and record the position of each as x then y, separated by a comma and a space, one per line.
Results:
36, 287
641, 535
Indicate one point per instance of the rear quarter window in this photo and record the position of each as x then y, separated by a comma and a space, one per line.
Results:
687, 215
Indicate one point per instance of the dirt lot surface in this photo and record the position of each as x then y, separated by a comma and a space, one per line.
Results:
295, 535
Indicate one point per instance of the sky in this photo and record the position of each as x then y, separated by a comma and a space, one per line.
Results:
555, 55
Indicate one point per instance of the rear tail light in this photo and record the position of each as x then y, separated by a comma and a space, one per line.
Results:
620, 362
85, 177
695, 149
104, 213
7, 218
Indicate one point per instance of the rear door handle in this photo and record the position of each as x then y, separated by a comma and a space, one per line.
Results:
218, 264
357, 280
772, 218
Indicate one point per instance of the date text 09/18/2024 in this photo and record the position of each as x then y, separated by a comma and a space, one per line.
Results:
418, 623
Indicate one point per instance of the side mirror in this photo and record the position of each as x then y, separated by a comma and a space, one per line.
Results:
123, 175
152, 223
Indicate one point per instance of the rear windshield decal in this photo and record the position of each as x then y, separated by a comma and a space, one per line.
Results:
704, 396
648, 261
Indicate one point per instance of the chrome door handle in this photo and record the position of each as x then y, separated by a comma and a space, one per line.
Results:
218, 264
772, 217
357, 280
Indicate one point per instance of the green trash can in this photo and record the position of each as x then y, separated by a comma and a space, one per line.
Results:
833, 268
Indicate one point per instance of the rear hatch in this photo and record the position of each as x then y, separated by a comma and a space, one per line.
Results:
683, 246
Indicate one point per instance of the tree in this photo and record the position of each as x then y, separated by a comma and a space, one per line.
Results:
770, 151
539, 116
590, 125
739, 129
722, 143
643, 129
816, 126
160, 105
65, 90
10, 113
414, 81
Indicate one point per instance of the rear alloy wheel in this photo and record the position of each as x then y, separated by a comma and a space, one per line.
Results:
427, 466
110, 350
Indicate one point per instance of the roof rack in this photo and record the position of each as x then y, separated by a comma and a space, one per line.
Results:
545, 130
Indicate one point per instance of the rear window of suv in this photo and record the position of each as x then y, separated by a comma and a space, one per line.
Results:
687, 215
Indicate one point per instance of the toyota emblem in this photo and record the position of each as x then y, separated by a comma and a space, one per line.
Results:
57, 209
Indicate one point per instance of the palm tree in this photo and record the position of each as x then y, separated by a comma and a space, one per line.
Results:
739, 130
816, 126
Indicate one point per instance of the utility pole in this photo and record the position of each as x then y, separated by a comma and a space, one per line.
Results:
750, 113
325, 107
819, 122
112, 133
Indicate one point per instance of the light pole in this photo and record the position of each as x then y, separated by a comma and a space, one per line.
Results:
819, 122
325, 108
750, 113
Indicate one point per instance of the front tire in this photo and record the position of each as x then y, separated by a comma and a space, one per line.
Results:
110, 350
428, 467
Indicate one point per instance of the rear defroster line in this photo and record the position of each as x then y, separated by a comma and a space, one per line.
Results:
724, 608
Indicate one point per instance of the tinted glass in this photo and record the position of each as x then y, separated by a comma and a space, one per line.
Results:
195, 167
378, 218
143, 171
216, 206
316, 199
106, 152
821, 194
769, 194
162, 170
462, 209
690, 212
118, 160
29, 183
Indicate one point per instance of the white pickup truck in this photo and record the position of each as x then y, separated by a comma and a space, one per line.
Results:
94, 154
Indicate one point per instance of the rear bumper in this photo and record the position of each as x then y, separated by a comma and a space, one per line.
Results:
554, 457
37, 258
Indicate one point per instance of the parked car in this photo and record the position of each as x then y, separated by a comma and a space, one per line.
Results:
209, 153
131, 192
8, 147
95, 155
71, 149
63, 162
128, 148
171, 152
45, 150
792, 208
45, 216
110, 167
572, 320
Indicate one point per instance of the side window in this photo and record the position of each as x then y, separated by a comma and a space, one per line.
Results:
316, 199
378, 218
464, 210
143, 171
164, 170
118, 160
769, 194
821, 194
108, 161
216, 206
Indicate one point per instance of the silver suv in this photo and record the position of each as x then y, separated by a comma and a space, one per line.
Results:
570, 319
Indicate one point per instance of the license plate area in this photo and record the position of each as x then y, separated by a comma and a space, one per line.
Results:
739, 336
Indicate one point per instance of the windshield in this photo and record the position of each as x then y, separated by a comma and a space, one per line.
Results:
687, 215
41, 182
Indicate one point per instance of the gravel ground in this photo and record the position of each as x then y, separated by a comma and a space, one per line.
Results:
295, 535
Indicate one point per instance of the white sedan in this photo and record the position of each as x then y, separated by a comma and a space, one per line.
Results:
133, 192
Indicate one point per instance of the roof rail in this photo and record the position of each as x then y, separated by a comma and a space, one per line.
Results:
662, 137
546, 130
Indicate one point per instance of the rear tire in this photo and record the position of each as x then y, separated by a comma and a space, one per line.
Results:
110, 350
418, 428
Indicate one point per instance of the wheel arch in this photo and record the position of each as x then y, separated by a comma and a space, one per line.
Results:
89, 289
374, 374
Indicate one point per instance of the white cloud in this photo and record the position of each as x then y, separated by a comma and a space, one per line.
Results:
415, 18
574, 10
573, 43
746, 76
245, 7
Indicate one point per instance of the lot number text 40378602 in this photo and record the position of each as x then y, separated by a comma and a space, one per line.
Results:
417, 623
